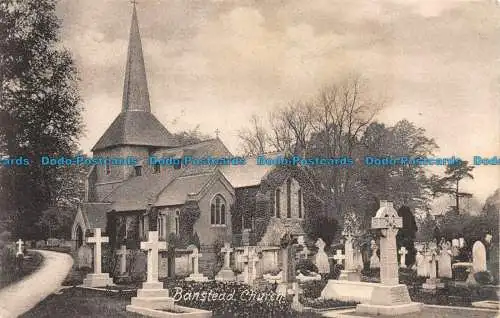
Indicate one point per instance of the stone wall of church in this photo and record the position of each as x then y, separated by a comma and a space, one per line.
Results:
206, 231
105, 183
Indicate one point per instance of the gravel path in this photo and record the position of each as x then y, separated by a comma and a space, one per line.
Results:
20, 297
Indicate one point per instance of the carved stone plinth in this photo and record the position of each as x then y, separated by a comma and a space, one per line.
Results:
389, 300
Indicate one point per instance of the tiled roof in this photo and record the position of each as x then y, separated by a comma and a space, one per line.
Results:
94, 214
176, 192
137, 192
136, 128
248, 175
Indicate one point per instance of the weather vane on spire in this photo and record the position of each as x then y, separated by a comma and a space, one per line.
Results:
134, 2
217, 131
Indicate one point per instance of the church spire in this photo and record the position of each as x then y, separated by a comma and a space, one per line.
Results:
135, 88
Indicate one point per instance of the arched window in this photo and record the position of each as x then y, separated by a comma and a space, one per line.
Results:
218, 210
161, 226
108, 168
177, 216
289, 198
299, 195
277, 202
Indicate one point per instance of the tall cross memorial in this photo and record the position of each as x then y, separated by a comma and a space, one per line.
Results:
19, 247
196, 275
389, 297
98, 278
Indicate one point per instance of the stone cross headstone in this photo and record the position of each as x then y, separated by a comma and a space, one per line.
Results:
388, 221
122, 253
195, 258
296, 291
153, 246
339, 257
349, 253
20, 247
244, 258
227, 250
226, 273
97, 239
403, 251
253, 258
98, 278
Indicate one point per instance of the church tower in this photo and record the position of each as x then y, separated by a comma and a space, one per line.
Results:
135, 131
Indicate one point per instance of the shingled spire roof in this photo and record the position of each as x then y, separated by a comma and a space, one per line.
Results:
135, 125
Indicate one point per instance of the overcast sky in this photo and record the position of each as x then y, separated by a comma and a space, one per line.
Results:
214, 63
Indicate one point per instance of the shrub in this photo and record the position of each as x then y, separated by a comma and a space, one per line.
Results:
313, 289
483, 278
305, 266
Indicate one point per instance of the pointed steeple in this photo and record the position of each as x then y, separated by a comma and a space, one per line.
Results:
135, 88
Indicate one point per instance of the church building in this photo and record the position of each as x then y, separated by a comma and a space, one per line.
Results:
201, 205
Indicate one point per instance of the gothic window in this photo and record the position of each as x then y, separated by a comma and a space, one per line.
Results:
218, 210
108, 168
299, 195
178, 165
156, 168
177, 216
277, 202
161, 226
289, 198
138, 171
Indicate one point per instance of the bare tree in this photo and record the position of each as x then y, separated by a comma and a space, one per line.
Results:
254, 140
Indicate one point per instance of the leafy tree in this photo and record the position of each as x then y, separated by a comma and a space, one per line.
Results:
323, 226
449, 184
56, 222
426, 228
406, 235
40, 108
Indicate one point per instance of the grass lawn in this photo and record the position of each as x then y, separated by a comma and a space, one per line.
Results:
31, 263
433, 312
79, 302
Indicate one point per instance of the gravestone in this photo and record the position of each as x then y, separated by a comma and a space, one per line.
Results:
122, 254
374, 259
421, 264
479, 257
305, 251
432, 283
296, 291
253, 258
196, 275
321, 260
244, 258
339, 257
403, 251
444, 261
226, 273
288, 251
19, 244
389, 297
97, 279
151, 295
84, 257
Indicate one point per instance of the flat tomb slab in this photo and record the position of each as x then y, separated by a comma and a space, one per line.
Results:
392, 310
490, 304
344, 290
431, 311
178, 311
97, 280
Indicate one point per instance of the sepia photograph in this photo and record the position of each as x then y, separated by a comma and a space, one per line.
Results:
249, 158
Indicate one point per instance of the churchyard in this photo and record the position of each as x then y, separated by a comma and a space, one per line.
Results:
300, 278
